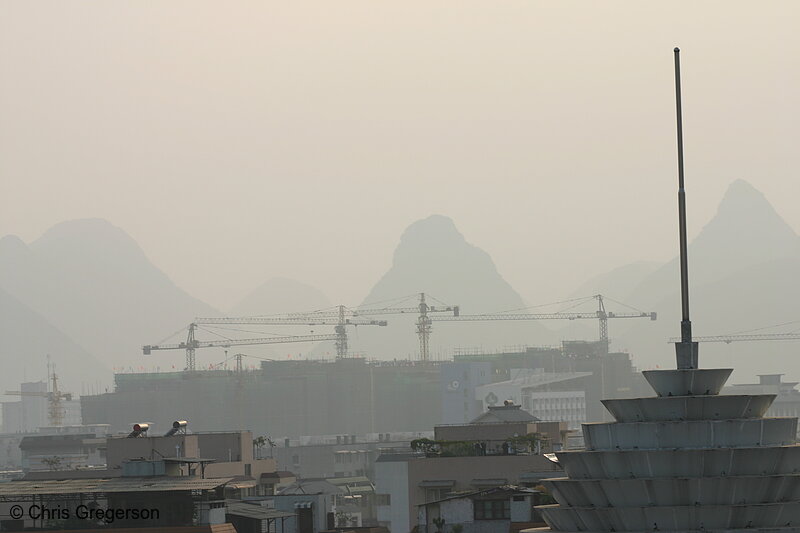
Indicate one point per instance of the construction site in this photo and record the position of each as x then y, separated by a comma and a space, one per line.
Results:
348, 395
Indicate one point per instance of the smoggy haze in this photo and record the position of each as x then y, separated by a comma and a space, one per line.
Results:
299, 139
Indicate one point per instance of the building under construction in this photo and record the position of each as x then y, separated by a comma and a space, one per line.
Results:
347, 396
350, 396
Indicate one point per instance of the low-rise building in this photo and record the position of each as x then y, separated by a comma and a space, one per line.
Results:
329, 456
274, 482
153, 501
495, 510
356, 505
551, 396
57, 448
209, 454
313, 502
504, 428
503, 446
251, 517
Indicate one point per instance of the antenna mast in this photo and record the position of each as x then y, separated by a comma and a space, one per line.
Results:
686, 349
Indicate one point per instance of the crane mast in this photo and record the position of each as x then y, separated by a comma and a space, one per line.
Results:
424, 320
55, 407
349, 316
424, 329
340, 318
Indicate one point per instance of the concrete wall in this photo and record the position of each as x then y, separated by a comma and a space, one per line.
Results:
500, 432
483, 432
322, 504
391, 478
119, 449
463, 470
237, 446
233, 452
71, 451
332, 460
239, 468
522, 508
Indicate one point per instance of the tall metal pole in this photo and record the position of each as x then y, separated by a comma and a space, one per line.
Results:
686, 350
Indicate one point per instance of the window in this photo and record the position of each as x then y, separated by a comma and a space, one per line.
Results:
248, 471
492, 509
384, 499
433, 495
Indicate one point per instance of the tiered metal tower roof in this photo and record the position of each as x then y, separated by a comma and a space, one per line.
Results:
687, 459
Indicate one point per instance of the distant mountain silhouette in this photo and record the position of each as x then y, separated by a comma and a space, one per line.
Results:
618, 282
26, 338
93, 282
433, 257
743, 269
281, 295
745, 231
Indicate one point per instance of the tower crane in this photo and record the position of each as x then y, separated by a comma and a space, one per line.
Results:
345, 316
424, 321
727, 339
340, 318
757, 334
191, 344
601, 315
55, 409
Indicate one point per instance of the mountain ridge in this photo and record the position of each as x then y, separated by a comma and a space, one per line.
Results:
92, 281
742, 267
433, 257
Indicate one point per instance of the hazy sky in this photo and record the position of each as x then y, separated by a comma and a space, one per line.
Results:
237, 141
